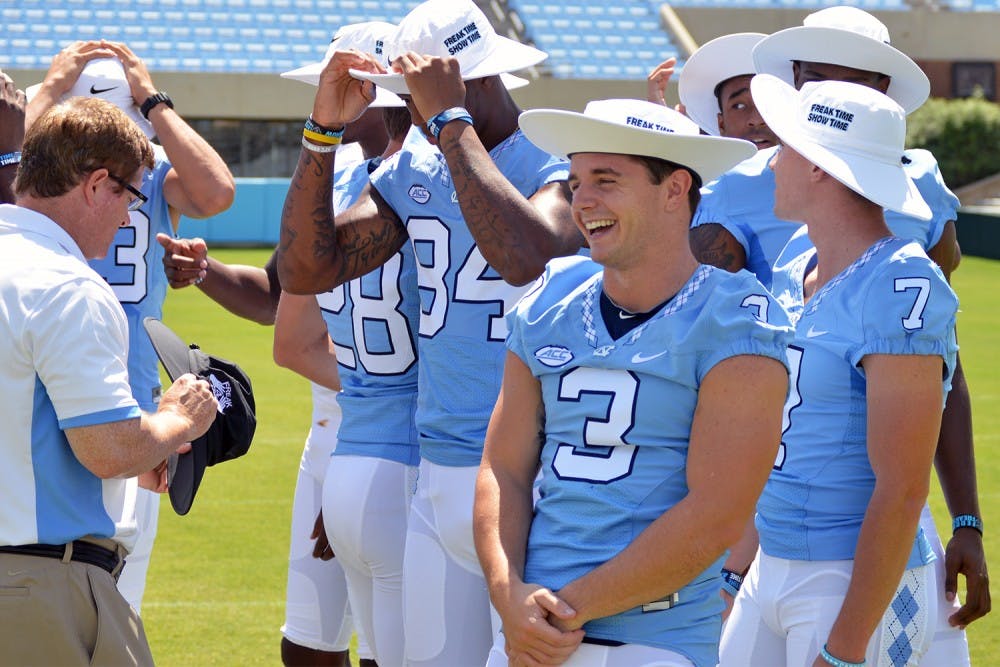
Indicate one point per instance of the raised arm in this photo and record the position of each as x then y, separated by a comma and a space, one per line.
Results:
199, 183
63, 72
515, 235
904, 418
713, 244
318, 252
738, 417
502, 518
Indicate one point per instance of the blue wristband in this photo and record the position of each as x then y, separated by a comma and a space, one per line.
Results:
436, 123
967, 521
837, 662
731, 581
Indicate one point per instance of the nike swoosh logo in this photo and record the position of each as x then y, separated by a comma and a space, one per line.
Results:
813, 333
638, 358
98, 91
625, 316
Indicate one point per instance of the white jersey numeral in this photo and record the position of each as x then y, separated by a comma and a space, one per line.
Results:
473, 282
915, 319
605, 456
381, 310
794, 356
127, 277
758, 303
430, 239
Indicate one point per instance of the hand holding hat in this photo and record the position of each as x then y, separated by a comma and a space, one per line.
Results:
65, 70
232, 425
342, 98
435, 83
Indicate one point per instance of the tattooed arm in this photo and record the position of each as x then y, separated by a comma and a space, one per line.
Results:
317, 252
516, 235
712, 244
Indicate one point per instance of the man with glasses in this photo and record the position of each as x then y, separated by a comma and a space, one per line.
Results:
72, 430
188, 178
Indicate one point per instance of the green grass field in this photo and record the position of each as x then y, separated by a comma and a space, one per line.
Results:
216, 588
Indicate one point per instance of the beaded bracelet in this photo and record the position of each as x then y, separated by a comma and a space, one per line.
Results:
837, 662
318, 148
967, 521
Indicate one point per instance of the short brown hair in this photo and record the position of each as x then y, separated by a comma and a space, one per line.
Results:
73, 139
659, 169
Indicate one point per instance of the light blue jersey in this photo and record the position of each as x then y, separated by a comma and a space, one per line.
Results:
463, 300
891, 300
134, 269
742, 201
373, 322
618, 417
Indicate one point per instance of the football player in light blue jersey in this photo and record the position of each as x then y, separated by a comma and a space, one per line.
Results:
484, 211
844, 574
188, 178
616, 373
748, 234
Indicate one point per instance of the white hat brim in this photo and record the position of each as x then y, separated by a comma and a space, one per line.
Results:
885, 184
716, 61
505, 56
396, 83
909, 86
564, 133
310, 74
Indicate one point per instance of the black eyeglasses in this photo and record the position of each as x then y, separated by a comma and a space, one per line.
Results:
137, 200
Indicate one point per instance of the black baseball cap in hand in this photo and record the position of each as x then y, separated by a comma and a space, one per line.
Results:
231, 433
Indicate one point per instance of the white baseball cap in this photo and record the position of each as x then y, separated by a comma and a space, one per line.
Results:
715, 62
849, 37
456, 28
852, 132
105, 78
634, 127
369, 37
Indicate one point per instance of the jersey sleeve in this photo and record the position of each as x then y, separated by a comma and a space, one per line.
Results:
80, 354
714, 208
909, 308
926, 174
742, 319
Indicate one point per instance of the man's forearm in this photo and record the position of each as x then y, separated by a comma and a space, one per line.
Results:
514, 237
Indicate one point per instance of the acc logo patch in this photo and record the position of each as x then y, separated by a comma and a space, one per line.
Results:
419, 194
554, 356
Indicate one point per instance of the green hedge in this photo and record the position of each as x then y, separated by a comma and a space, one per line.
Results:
963, 134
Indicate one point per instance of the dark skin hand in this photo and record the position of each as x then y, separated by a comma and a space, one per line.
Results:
322, 548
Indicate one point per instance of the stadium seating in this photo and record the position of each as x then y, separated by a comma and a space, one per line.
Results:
594, 39
240, 36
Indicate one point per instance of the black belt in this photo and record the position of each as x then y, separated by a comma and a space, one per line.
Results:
83, 552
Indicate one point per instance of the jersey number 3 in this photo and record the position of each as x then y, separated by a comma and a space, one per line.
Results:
605, 456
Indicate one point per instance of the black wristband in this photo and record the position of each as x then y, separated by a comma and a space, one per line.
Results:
152, 101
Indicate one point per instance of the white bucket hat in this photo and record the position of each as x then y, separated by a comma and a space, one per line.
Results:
849, 37
104, 78
456, 28
716, 61
634, 127
852, 132
369, 37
